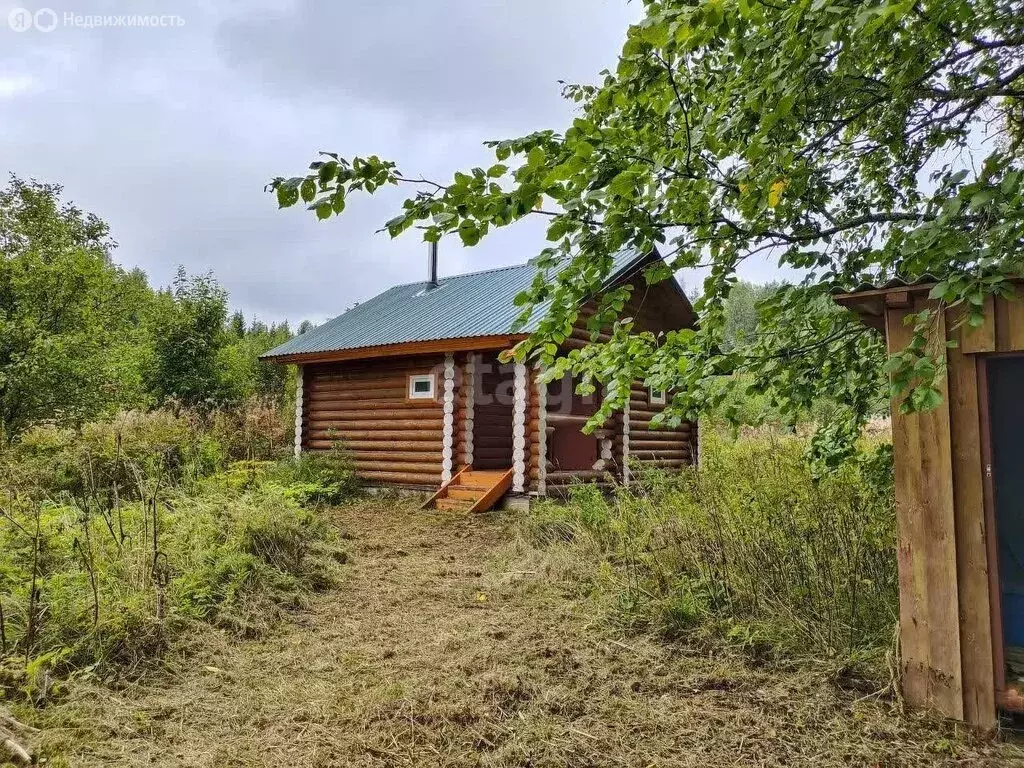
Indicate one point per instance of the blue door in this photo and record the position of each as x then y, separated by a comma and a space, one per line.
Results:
1006, 413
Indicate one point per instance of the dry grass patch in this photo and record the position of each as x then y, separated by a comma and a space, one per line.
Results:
453, 642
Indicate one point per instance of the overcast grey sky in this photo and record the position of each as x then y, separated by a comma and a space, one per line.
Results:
170, 133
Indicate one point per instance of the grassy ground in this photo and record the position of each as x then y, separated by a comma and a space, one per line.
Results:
452, 642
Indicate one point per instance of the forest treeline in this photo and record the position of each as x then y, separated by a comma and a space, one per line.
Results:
81, 337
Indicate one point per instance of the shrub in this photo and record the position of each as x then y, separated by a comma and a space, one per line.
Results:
116, 537
130, 455
257, 429
240, 555
311, 479
135, 453
234, 559
326, 478
749, 547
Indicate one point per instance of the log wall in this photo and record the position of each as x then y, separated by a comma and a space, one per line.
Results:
464, 413
667, 448
533, 432
364, 407
654, 308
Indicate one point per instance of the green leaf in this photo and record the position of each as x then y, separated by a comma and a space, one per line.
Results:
982, 198
469, 233
308, 190
328, 171
286, 196
713, 13
892, 365
397, 225
655, 34
930, 398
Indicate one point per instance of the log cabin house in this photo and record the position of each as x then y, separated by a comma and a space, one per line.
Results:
959, 507
410, 385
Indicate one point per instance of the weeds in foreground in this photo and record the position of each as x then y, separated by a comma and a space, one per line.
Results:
408, 666
116, 537
748, 548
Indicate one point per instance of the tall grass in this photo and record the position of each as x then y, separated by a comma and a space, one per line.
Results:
748, 548
116, 537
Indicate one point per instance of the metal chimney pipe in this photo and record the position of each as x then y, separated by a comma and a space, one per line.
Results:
432, 265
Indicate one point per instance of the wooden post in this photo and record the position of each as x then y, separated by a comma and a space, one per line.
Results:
448, 441
298, 411
926, 551
542, 434
625, 443
519, 430
469, 382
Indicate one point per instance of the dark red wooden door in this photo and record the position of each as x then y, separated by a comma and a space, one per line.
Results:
568, 448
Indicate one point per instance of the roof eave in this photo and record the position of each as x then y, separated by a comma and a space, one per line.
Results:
870, 305
628, 271
434, 346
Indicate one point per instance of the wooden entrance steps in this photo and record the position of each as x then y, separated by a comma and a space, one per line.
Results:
471, 490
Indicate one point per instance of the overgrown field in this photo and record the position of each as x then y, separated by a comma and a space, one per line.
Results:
460, 642
750, 550
741, 613
117, 538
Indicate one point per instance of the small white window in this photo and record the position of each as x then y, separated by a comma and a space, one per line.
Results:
421, 387
657, 396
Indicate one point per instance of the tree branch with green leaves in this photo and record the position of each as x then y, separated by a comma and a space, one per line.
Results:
852, 140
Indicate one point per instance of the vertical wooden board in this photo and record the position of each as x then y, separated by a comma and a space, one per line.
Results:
911, 536
982, 338
1010, 324
945, 685
1002, 316
977, 668
1002, 324
1015, 319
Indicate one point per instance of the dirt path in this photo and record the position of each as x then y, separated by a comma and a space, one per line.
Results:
449, 644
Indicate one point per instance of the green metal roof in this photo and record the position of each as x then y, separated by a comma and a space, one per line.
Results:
461, 306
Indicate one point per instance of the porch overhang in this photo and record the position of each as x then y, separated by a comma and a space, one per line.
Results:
870, 305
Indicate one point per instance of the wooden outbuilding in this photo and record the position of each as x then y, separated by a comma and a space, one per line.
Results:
959, 472
411, 386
